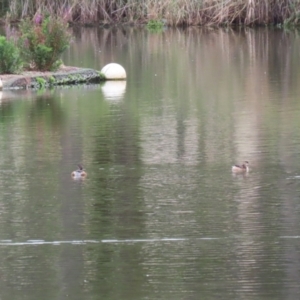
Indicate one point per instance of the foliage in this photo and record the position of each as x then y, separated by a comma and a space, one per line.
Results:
101, 76
51, 80
155, 25
41, 82
10, 60
42, 42
176, 12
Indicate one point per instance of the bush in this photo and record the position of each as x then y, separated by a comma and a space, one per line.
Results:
42, 42
155, 24
10, 60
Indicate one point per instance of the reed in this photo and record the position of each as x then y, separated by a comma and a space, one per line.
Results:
172, 12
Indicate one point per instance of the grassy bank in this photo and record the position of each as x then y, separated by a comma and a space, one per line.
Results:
173, 12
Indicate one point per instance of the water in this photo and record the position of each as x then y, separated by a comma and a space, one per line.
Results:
159, 216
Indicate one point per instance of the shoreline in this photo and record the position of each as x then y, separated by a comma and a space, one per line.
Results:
65, 75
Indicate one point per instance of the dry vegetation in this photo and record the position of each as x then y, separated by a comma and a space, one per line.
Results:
173, 12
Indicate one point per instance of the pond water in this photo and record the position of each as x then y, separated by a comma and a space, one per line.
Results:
160, 215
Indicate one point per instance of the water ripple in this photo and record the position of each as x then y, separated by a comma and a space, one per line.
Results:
112, 241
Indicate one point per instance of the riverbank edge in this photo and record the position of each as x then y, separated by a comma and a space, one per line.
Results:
64, 76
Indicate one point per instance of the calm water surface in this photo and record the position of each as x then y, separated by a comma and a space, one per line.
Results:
160, 216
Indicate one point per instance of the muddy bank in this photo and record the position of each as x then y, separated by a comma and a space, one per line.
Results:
64, 76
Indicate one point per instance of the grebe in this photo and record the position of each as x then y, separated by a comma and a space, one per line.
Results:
80, 173
241, 168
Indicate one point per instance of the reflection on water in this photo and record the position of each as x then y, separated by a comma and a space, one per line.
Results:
114, 90
160, 214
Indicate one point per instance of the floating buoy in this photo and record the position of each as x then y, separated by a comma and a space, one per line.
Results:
114, 71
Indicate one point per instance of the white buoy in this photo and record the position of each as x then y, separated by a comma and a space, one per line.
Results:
114, 71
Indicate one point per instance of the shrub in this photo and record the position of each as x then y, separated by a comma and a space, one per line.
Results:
10, 60
41, 82
155, 25
42, 42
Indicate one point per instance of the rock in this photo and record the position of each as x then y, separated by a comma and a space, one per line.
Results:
66, 76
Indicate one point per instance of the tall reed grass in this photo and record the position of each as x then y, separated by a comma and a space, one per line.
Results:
173, 12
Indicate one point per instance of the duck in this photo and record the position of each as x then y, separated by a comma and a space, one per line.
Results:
241, 168
79, 173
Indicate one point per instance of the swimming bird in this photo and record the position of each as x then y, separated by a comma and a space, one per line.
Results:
241, 168
79, 173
